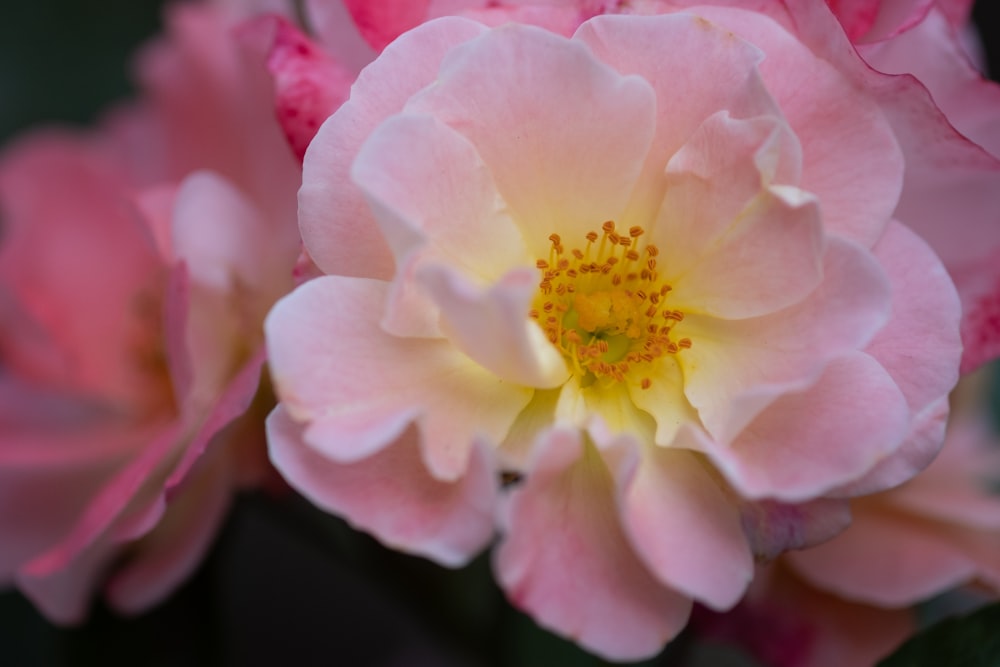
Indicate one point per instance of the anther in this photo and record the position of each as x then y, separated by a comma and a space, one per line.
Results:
635, 232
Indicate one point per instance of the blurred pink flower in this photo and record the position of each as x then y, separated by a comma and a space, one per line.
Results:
651, 271
136, 267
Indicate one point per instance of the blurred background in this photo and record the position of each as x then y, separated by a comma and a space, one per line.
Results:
285, 584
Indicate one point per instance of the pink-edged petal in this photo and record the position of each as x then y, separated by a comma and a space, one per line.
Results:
434, 200
392, 494
566, 561
774, 527
801, 446
358, 387
309, 84
933, 52
723, 76
851, 158
336, 225
170, 553
556, 177
492, 328
945, 171
735, 368
685, 529
885, 560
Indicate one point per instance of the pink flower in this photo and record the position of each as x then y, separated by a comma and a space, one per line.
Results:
849, 601
651, 272
133, 293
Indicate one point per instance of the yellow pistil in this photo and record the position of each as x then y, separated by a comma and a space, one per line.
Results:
604, 307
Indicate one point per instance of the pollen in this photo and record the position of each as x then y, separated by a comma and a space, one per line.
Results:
603, 305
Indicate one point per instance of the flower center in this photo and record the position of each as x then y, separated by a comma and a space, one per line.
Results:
604, 307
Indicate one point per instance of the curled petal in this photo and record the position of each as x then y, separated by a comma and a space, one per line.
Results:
492, 329
358, 387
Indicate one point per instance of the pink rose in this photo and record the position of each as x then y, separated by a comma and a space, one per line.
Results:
136, 267
650, 273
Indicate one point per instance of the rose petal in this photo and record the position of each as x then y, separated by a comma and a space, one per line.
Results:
392, 494
337, 228
685, 528
556, 177
359, 387
801, 446
565, 560
723, 76
885, 561
735, 368
434, 200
